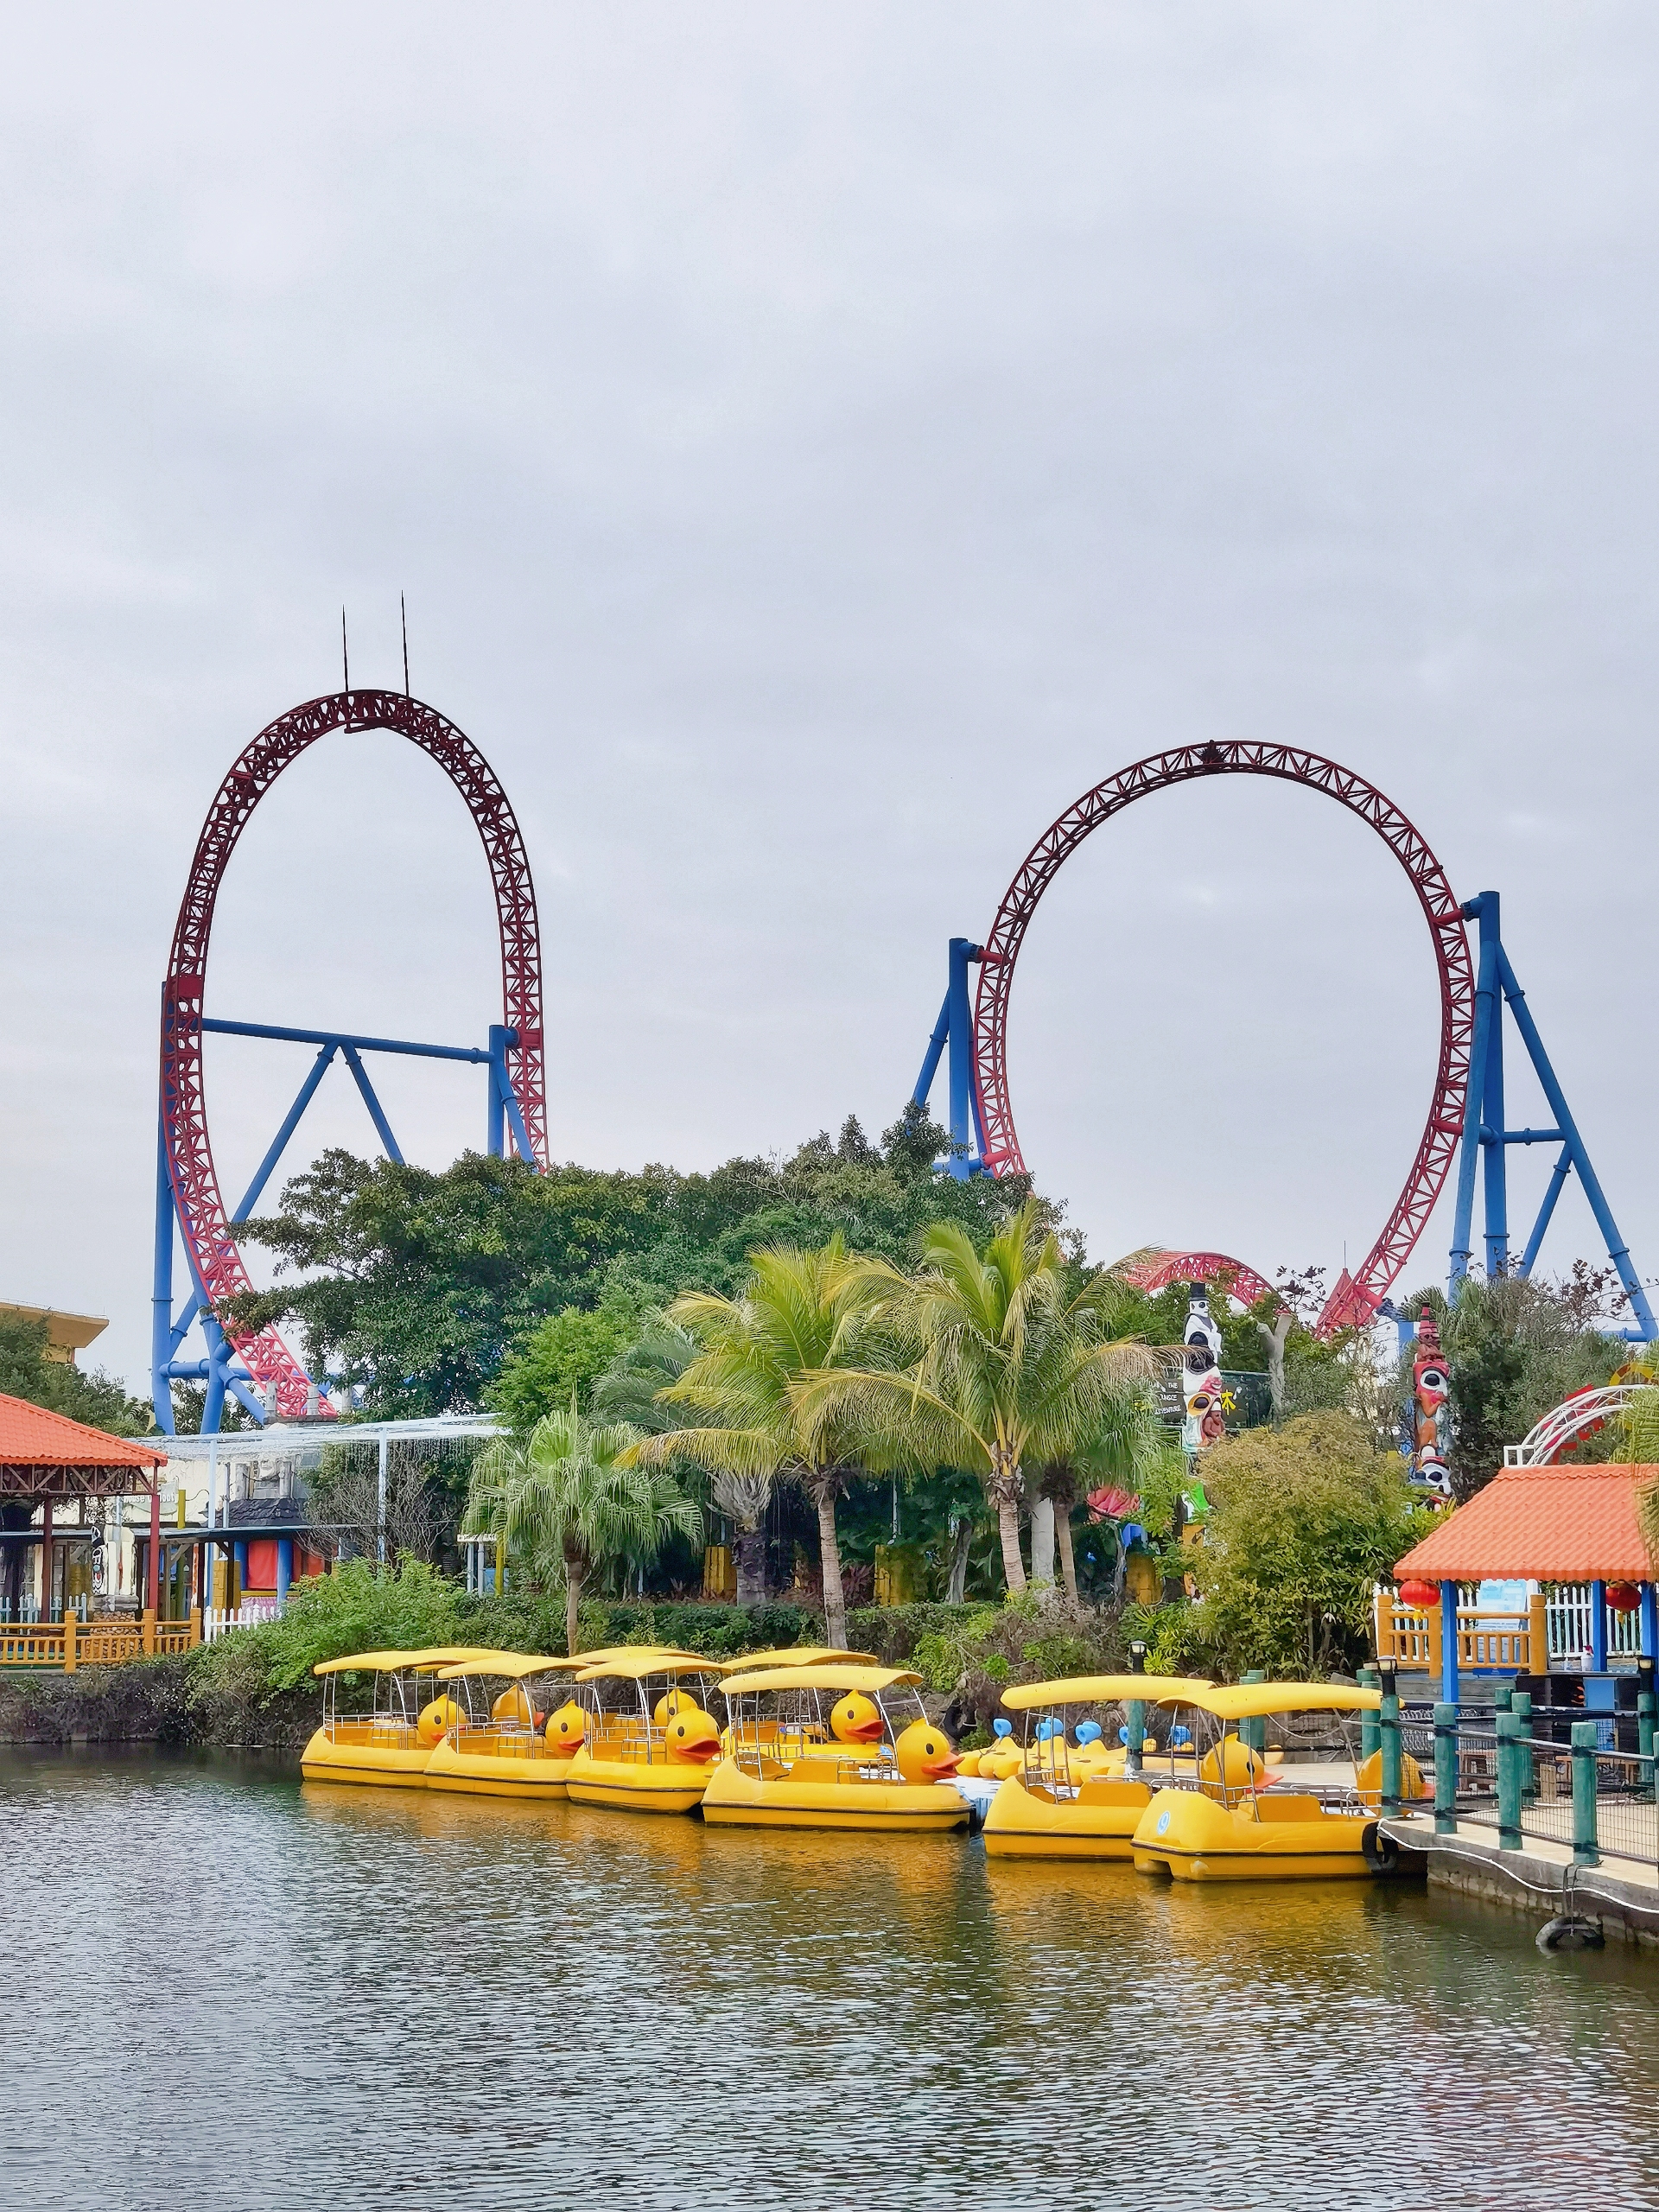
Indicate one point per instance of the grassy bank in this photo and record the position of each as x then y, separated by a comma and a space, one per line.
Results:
256, 1687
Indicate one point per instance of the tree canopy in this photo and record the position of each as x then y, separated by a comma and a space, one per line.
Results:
420, 1284
94, 1397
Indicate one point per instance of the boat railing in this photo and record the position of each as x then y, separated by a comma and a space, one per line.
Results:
382, 1729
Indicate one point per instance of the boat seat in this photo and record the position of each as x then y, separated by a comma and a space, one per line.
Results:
1114, 1793
1279, 1805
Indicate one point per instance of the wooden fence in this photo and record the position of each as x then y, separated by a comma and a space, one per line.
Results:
72, 1642
1410, 1636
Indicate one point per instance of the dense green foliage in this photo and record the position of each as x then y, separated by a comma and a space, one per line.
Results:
572, 1498
420, 1284
1515, 1349
357, 1608
1304, 1520
93, 1397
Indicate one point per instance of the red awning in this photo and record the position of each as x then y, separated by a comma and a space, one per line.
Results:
44, 1453
1545, 1524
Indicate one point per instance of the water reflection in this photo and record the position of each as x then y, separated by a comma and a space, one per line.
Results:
229, 1991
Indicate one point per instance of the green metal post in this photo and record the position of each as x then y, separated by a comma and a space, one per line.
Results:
1134, 1719
1509, 1785
1502, 1694
1253, 1734
1526, 1766
1446, 1769
1586, 1850
1371, 1736
1390, 1719
1644, 1723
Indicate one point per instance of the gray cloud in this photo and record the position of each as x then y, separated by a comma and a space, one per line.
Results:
814, 450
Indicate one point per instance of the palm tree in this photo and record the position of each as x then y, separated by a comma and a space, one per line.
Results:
1114, 1458
571, 1498
1005, 1365
803, 1315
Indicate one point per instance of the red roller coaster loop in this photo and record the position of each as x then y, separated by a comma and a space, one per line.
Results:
1355, 1297
1153, 1269
215, 1258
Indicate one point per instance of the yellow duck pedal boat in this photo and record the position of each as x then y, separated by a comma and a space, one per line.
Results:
1062, 1801
509, 1746
656, 1758
815, 1747
389, 1746
1247, 1819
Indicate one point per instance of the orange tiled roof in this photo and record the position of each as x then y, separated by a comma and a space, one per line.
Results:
1549, 1524
30, 1436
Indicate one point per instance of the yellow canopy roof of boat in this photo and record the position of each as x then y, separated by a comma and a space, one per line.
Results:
633, 1664
814, 1678
512, 1666
1256, 1701
1108, 1690
805, 1654
394, 1663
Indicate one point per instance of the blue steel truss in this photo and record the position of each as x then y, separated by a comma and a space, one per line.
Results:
219, 1369
1486, 1138
955, 1027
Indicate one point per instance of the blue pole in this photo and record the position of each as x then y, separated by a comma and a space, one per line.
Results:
961, 1163
1463, 1218
284, 1565
383, 1127
936, 1045
1557, 1178
163, 1344
1491, 1113
495, 1141
1649, 1621
279, 1143
339, 1039
1617, 1251
1448, 1643
1598, 1627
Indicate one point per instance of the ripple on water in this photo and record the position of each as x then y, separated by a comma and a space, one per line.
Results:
229, 1991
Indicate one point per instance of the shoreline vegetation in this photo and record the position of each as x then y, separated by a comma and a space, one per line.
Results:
254, 1689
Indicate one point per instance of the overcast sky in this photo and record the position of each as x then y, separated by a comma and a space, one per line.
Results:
817, 445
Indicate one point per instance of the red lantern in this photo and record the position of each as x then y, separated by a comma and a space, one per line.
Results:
1417, 1596
1622, 1596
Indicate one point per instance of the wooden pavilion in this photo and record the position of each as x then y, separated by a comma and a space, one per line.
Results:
47, 1462
1551, 1525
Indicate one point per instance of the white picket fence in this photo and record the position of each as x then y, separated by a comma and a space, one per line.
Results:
1568, 1613
218, 1620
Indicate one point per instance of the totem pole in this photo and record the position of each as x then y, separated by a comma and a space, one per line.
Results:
1427, 1413
1201, 1386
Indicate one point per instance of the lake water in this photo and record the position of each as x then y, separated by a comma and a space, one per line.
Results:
227, 1989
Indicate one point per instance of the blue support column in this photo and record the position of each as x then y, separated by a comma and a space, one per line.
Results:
961, 1163
495, 1142
162, 1342
1617, 1251
383, 1127
239, 1553
284, 1565
1488, 1015
1649, 1621
1449, 1643
936, 1045
279, 1143
1493, 1126
1597, 1626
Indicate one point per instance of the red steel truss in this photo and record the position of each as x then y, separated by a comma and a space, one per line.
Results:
208, 1236
1356, 1297
1154, 1270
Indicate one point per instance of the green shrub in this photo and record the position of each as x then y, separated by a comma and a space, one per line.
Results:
360, 1607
